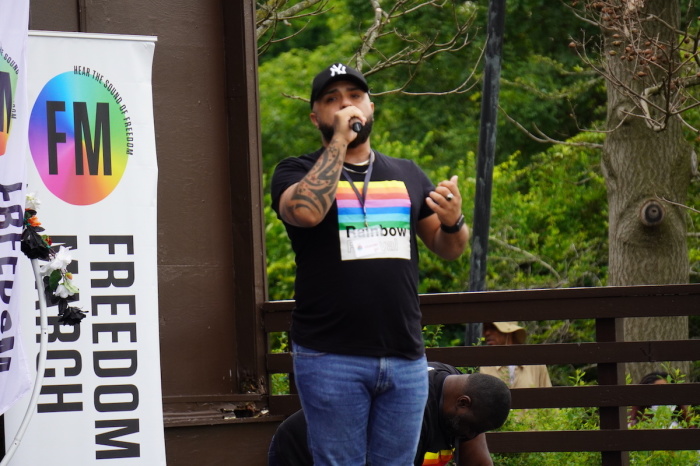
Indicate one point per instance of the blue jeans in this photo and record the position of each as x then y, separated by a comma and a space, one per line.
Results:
361, 410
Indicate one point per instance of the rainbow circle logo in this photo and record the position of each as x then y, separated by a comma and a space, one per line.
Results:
8, 86
78, 137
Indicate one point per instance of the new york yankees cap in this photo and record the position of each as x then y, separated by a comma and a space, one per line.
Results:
336, 72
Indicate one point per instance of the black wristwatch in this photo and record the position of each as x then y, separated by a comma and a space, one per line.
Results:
454, 228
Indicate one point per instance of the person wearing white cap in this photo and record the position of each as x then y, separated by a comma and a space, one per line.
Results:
515, 376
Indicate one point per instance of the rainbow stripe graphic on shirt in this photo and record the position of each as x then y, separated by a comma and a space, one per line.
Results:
388, 207
387, 204
440, 458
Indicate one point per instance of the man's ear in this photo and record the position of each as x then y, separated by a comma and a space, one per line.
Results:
464, 401
314, 120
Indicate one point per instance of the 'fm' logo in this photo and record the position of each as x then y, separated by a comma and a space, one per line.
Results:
8, 85
80, 136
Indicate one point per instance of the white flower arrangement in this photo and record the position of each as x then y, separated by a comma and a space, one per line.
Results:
59, 288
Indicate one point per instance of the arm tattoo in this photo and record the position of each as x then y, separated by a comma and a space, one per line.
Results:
316, 191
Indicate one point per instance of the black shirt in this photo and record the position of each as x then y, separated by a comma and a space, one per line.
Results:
434, 437
356, 291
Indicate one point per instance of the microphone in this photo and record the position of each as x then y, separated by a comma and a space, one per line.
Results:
356, 126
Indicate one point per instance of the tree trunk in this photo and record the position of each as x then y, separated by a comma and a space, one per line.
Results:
643, 166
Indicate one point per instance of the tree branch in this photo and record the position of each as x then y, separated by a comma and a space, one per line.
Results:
271, 12
369, 57
662, 72
543, 138
661, 198
528, 255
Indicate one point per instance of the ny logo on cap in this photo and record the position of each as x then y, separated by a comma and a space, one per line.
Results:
337, 69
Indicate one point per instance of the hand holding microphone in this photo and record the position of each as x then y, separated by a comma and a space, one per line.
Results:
349, 121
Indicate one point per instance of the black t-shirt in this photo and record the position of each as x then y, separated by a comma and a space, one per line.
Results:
434, 437
356, 289
289, 445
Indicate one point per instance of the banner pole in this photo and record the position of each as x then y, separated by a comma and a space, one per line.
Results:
38, 381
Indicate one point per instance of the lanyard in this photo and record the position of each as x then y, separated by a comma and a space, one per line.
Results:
362, 197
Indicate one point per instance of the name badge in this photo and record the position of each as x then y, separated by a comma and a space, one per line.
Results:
367, 241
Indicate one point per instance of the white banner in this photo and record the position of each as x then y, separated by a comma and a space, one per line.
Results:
93, 166
15, 379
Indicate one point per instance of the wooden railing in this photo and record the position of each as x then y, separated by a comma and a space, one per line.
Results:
611, 396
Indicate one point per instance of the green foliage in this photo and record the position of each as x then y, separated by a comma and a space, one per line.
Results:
564, 419
279, 343
548, 222
546, 96
281, 267
565, 331
551, 419
279, 384
431, 335
539, 420
541, 27
664, 458
543, 85
665, 417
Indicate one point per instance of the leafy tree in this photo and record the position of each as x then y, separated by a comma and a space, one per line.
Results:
650, 64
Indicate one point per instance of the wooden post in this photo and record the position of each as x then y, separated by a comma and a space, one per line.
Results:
612, 417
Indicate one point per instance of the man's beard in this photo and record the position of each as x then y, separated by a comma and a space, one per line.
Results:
327, 133
451, 424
